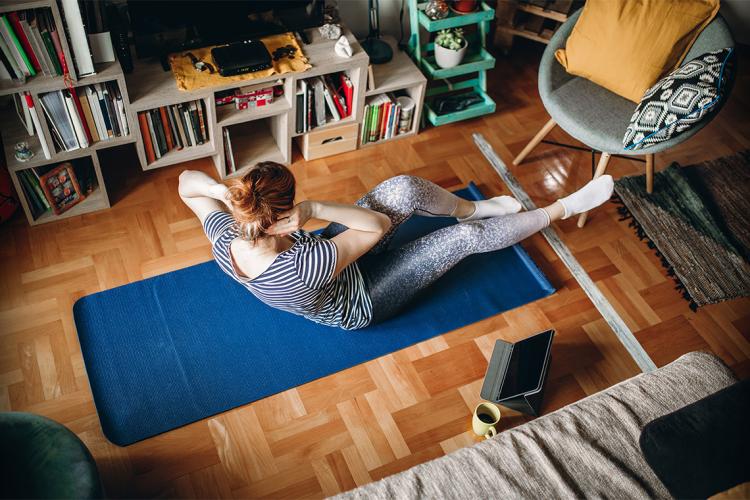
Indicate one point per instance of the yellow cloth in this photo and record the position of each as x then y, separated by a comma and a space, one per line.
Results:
627, 45
189, 78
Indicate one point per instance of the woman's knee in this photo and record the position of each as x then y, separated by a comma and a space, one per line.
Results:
403, 184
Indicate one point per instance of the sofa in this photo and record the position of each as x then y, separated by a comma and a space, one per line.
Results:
587, 449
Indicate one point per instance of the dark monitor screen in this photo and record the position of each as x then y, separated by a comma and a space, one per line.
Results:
526, 365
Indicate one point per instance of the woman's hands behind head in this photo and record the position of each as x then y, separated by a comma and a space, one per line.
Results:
294, 219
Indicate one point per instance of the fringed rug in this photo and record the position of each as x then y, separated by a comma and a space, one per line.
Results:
697, 221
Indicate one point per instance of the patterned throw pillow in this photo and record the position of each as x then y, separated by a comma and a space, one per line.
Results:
679, 100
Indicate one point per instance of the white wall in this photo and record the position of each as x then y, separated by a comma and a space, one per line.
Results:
737, 14
354, 15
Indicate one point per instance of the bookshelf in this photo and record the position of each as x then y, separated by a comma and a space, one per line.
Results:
257, 134
12, 130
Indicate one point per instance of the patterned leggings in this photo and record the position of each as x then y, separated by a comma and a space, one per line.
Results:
395, 276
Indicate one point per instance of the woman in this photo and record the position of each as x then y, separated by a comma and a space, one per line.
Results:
346, 277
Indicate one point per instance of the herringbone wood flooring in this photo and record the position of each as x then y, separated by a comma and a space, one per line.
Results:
388, 414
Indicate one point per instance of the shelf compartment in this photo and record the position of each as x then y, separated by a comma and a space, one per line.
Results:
228, 115
477, 61
256, 141
485, 13
90, 183
486, 106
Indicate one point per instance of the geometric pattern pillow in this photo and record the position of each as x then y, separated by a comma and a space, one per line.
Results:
679, 100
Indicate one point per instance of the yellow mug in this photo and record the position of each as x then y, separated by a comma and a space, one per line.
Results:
486, 416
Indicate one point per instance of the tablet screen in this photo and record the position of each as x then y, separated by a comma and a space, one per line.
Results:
526, 365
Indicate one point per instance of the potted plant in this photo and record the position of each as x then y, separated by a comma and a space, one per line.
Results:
450, 47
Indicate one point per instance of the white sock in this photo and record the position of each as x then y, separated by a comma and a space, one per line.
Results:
593, 194
494, 207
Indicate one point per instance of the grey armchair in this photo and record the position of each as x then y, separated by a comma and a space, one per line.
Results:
597, 117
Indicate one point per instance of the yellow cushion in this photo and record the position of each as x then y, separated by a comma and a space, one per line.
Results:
626, 46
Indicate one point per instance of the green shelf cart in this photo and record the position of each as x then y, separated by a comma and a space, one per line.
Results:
471, 74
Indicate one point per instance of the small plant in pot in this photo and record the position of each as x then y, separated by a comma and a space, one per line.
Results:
450, 47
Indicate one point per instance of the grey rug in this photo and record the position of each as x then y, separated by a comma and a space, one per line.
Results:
697, 221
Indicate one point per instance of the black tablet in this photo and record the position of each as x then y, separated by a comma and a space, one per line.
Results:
517, 369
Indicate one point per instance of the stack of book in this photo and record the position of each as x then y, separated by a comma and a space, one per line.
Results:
80, 117
173, 127
323, 99
381, 118
30, 45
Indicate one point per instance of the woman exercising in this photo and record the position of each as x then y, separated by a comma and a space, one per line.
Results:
347, 277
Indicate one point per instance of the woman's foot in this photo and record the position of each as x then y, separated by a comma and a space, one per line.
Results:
593, 194
494, 207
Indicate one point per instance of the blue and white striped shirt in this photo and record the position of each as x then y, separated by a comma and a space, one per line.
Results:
300, 279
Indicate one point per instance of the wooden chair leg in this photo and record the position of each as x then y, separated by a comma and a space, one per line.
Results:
535, 141
650, 173
600, 168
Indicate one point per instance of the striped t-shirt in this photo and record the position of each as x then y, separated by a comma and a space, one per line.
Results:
300, 279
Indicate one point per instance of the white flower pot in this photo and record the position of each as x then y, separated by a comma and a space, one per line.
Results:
447, 58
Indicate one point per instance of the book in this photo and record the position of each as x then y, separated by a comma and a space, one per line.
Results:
299, 123
33, 177
55, 35
11, 39
194, 122
37, 124
179, 124
88, 117
79, 110
332, 108
173, 127
23, 113
229, 166
152, 134
120, 108
320, 102
188, 124
34, 202
201, 118
55, 109
161, 137
110, 105
44, 31
167, 129
348, 91
9, 53
338, 100
35, 43
70, 107
6, 70
39, 46
148, 147
77, 36
23, 38
309, 111
96, 112
106, 119
363, 125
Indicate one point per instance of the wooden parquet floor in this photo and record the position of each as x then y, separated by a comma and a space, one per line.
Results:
386, 415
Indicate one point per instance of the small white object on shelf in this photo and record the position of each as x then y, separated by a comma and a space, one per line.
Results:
343, 48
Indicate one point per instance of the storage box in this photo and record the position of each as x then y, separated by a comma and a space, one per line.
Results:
329, 141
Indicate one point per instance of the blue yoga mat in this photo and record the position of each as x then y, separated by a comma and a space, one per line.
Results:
169, 350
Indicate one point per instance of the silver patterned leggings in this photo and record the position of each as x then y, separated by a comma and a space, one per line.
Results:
395, 276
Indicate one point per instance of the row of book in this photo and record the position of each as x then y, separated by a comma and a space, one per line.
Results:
30, 44
87, 114
323, 99
383, 119
173, 127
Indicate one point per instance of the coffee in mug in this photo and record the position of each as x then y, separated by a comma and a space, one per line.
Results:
486, 417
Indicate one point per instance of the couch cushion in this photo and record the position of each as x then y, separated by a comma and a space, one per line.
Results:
701, 449
626, 46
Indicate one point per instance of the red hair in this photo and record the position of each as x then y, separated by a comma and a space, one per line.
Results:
260, 196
